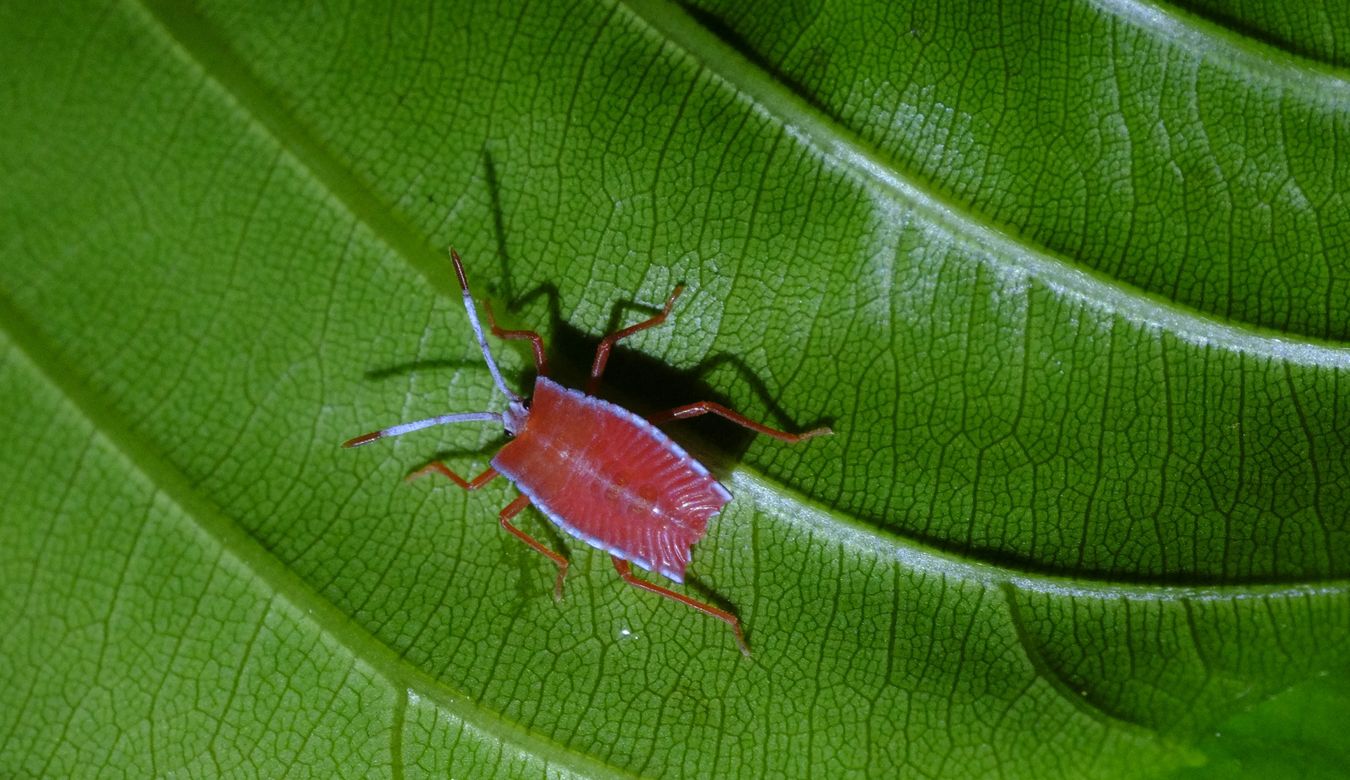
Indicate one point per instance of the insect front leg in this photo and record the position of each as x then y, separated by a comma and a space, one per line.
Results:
709, 407
536, 342
626, 571
439, 467
511, 510
608, 342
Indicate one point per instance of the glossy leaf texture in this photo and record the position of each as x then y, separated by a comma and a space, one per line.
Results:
1069, 280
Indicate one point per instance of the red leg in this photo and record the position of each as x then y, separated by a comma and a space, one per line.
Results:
514, 508
626, 571
540, 362
602, 351
708, 407
440, 468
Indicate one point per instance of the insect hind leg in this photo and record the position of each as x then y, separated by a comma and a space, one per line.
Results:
709, 407
626, 571
608, 342
511, 510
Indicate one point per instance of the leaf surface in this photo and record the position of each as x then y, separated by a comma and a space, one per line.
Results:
1067, 279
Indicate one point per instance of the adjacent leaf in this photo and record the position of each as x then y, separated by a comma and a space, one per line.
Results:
1068, 280
1295, 734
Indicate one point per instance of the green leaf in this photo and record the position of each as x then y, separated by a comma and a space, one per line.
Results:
1069, 281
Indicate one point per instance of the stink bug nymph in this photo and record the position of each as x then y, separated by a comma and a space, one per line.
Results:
600, 472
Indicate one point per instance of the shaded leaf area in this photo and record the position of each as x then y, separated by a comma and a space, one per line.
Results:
1064, 527
1153, 146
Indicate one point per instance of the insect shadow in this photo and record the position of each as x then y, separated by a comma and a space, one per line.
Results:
416, 366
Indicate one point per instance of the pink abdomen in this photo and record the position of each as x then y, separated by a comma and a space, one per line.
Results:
611, 479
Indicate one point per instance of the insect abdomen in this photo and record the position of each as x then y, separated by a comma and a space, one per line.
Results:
611, 479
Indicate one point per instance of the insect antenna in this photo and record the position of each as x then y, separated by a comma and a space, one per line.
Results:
478, 327
459, 417
409, 427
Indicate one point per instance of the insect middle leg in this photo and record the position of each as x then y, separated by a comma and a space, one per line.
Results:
511, 510
608, 342
537, 343
709, 407
626, 571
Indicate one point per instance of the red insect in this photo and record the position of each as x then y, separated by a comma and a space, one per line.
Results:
598, 471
